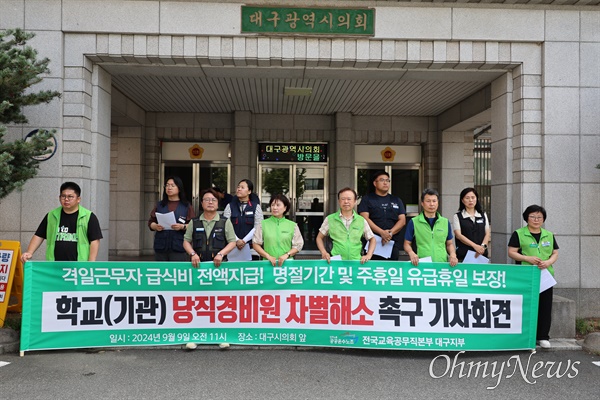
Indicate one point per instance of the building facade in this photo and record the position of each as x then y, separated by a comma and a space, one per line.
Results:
209, 91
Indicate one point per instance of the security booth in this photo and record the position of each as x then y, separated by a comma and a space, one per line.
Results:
199, 165
299, 171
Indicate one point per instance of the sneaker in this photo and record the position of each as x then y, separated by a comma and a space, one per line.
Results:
223, 345
544, 344
191, 346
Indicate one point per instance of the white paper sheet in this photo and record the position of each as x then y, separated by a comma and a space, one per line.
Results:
240, 255
546, 280
166, 220
471, 259
382, 250
338, 257
425, 259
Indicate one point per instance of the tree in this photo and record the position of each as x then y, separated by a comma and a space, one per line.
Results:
19, 70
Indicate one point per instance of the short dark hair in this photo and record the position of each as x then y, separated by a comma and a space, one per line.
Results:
248, 183
347, 189
533, 209
206, 191
377, 174
283, 199
71, 185
430, 192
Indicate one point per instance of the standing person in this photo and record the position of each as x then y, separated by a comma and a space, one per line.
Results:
209, 237
384, 213
471, 225
277, 238
534, 245
431, 232
345, 228
224, 197
72, 232
244, 212
168, 243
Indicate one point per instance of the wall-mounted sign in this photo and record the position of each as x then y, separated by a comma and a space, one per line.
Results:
320, 21
292, 152
367, 153
186, 151
51, 149
196, 152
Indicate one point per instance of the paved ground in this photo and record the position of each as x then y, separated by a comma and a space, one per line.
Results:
285, 373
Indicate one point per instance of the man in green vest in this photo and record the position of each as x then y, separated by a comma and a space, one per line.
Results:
72, 232
345, 228
431, 232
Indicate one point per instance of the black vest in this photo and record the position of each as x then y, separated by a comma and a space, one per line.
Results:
474, 231
166, 241
207, 248
243, 222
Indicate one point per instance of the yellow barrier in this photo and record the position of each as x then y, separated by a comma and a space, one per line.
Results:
11, 278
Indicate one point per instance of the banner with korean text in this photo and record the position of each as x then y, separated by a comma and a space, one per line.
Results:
378, 305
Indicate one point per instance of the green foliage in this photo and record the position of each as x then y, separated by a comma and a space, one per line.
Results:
19, 70
16, 162
584, 326
276, 180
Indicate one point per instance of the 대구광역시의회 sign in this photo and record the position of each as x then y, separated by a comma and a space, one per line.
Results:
311, 21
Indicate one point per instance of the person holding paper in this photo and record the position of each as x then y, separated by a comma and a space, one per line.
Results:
72, 232
345, 228
209, 237
168, 240
534, 245
471, 225
244, 212
384, 213
431, 232
277, 238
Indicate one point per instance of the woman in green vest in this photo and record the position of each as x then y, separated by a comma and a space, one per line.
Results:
277, 238
534, 245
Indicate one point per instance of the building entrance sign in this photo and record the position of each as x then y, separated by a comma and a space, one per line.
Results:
319, 21
292, 152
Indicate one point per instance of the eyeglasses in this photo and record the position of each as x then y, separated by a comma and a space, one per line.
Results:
535, 218
383, 180
69, 197
210, 200
168, 185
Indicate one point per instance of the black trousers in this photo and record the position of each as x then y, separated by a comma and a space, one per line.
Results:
544, 315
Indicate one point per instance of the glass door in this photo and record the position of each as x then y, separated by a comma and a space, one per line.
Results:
196, 177
306, 188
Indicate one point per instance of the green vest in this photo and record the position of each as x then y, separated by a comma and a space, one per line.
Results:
346, 242
529, 247
431, 242
83, 244
277, 235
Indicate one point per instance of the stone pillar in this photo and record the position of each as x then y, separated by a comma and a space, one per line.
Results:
99, 183
341, 172
243, 165
127, 219
456, 169
86, 139
502, 161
